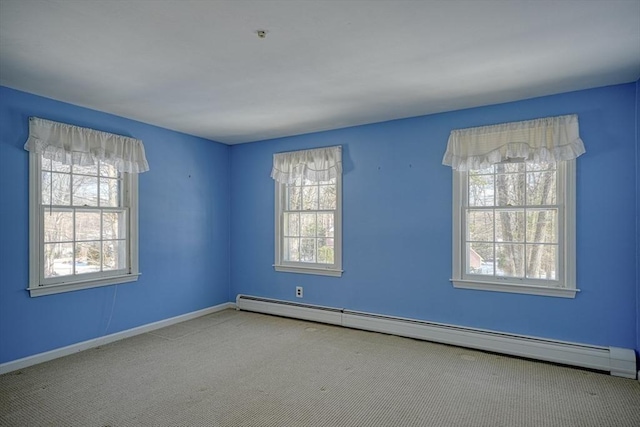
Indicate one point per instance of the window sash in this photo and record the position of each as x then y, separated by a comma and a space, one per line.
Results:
496, 209
563, 285
300, 236
334, 269
559, 262
41, 285
74, 276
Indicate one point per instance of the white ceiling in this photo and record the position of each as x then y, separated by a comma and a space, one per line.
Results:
200, 68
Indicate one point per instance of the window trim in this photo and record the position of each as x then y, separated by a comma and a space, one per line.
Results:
36, 228
333, 270
566, 181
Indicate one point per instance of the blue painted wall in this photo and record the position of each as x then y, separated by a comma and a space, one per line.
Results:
184, 234
397, 223
206, 227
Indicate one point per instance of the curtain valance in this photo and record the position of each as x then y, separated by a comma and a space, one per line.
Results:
76, 145
549, 139
319, 164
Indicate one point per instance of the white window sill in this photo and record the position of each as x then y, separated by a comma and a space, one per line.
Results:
515, 288
39, 291
308, 270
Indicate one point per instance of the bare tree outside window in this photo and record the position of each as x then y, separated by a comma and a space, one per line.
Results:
512, 221
309, 221
84, 220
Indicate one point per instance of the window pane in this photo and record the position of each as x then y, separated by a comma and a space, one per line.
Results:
481, 190
56, 189
85, 170
480, 258
85, 191
87, 257
108, 171
541, 226
325, 251
332, 181
88, 225
109, 192
488, 170
114, 225
540, 166
542, 261
327, 197
59, 167
52, 165
509, 226
45, 184
308, 224
480, 225
510, 189
510, 260
541, 188
291, 224
325, 225
114, 255
310, 198
308, 250
58, 259
513, 167
294, 198
291, 249
45, 164
58, 225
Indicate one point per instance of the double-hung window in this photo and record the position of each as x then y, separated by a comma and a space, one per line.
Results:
514, 206
308, 211
83, 208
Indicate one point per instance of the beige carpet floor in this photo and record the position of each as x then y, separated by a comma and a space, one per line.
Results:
244, 369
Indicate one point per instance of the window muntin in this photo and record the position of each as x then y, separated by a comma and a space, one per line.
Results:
308, 221
81, 226
516, 227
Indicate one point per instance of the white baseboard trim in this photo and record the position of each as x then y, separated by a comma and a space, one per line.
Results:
95, 342
618, 361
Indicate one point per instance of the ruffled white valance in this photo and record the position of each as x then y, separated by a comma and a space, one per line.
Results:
320, 164
80, 146
549, 139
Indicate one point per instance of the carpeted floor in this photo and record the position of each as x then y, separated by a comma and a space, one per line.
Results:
244, 369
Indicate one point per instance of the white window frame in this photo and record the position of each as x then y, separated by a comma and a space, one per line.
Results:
38, 285
335, 269
565, 285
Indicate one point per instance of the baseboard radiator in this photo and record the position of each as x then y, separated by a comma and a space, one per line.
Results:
619, 362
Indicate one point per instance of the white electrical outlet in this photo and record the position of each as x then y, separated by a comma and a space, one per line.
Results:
299, 291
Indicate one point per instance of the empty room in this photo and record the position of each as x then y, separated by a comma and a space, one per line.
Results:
320, 213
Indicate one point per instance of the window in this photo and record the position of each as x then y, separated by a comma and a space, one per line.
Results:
83, 221
308, 210
514, 228
514, 206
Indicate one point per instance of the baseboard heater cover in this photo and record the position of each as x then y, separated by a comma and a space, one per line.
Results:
316, 313
619, 362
